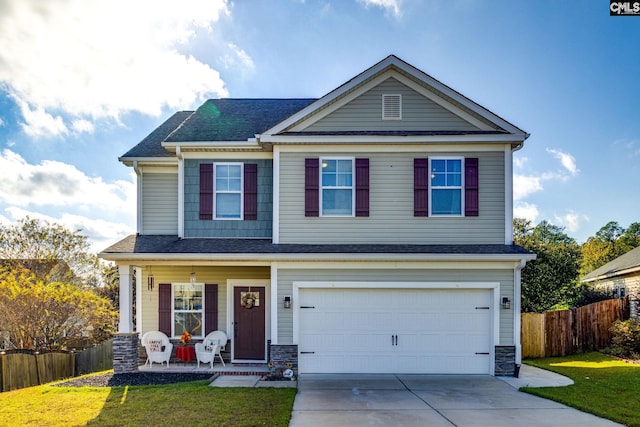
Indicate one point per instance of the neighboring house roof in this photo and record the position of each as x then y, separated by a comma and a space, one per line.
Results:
142, 246
624, 264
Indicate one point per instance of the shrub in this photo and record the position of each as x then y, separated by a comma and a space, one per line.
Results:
625, 339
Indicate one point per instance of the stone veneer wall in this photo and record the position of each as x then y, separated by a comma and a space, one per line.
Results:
125, 353
505, 361
282, 357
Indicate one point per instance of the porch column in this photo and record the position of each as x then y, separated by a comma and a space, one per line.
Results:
125, 326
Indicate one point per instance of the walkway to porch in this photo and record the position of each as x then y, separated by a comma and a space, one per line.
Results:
258, 369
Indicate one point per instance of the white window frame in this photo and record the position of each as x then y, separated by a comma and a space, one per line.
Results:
461, 187
352, 187
174, 311
216, 192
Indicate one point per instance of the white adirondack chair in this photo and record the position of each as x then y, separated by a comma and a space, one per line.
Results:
207, 350
158, 347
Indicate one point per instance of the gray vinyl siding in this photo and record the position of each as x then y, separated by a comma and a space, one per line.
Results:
287, 277
160, 203
195, 227
365, 113
391, 217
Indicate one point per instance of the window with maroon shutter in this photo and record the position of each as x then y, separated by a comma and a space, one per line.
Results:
312, 187
471, 187
250, 191
421, 187
210, 308
206, 191
362, 187
164, 308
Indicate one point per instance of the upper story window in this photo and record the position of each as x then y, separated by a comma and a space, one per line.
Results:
188, 309
446, 183
228, 190
337, 195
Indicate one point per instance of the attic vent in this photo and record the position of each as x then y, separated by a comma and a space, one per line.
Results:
392, 107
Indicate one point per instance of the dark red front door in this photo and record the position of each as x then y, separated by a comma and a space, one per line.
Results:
249, 322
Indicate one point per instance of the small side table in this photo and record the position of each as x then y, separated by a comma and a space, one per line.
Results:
186, 353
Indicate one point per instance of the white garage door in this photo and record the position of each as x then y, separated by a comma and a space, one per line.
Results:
395, 331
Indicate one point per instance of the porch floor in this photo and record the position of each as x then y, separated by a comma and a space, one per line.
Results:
260, 369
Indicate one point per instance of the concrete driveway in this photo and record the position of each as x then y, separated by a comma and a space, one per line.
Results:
425, 400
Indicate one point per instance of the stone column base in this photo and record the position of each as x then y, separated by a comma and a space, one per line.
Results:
125, 353
281, 358
505, 361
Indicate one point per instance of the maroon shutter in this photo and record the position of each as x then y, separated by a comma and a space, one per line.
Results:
471, 187
312, 187
251, 191
421, 187
164, 308
362, 187
210, 308
206, 191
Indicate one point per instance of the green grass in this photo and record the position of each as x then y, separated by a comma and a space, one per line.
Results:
604, 386
184, 404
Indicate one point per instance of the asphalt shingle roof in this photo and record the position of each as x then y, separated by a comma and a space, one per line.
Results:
139, 244
624, 262
151, 146
226, 119
236, 119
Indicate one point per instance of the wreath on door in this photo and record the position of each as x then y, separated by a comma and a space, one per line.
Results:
249, 299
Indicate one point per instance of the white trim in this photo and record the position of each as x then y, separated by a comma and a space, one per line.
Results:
517, 295
232, 283
275, 221
494, 287
389, 139
276, 304
139, 326
125, 325
336, 187
508, 196
215, 190
347, 147
180, 195
461, 188
202, 310
139, 199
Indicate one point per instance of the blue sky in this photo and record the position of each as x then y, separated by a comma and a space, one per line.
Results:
83, 81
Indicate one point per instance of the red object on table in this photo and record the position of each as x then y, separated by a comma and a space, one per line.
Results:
186, 353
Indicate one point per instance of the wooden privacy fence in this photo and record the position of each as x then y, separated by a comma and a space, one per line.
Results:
20, 369
564, 332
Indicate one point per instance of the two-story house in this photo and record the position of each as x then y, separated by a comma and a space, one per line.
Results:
366, 231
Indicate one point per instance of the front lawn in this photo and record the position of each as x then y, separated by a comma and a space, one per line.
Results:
604, 386
182, 404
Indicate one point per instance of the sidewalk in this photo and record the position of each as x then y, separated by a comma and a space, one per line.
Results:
531, 376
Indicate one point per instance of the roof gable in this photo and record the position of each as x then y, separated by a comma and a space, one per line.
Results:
449, 101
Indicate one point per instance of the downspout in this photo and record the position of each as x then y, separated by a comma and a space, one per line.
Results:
517, 306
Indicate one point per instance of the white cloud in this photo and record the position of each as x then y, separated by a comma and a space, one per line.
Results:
571, 220
524, 186
527, 211
58, 184
567, 160
100, 59
82, 125
390, 6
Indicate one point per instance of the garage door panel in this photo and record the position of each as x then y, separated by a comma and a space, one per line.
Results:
395, 330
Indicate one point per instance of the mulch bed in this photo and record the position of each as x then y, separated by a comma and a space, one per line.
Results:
139, 378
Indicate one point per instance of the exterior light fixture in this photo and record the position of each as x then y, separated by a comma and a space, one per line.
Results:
150, 280
287, 301
192, 278
506, 303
